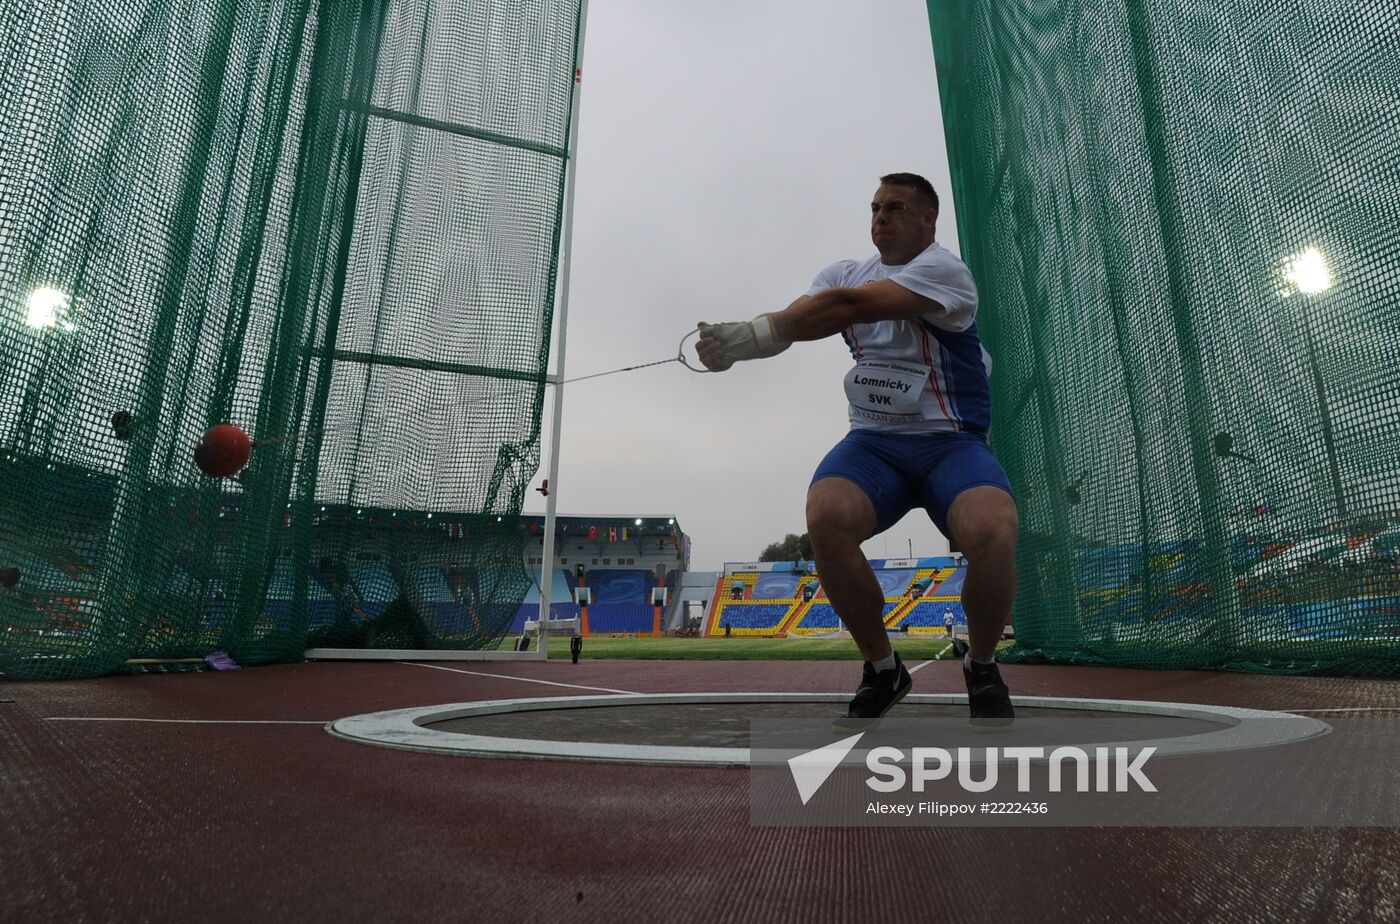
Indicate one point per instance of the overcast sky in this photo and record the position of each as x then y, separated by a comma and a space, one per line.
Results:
727, 152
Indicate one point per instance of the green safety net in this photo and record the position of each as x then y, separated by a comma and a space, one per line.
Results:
334, 225
1184, 221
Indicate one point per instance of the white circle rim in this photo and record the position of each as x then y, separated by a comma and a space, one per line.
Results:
1240, 729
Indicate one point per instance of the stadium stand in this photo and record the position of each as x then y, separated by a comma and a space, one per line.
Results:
821, 617
924, 612
428, 584
776, 585
767, 600
621, 600
754, 618
630, 585
928, 614
374, 586
740, 586
1106, 568
772, 602
895, 583
628, 616
923, 582
440, 603
949, 586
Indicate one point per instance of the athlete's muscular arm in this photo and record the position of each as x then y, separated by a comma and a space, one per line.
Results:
811, 317
830, 311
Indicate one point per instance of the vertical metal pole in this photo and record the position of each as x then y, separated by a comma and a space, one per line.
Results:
562, 326
1329, 444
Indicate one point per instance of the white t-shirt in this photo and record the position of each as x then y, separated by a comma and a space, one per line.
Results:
927, 375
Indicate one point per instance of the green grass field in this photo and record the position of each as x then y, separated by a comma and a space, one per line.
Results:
737, 649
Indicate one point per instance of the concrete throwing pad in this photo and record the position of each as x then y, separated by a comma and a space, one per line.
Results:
712, 729
727, 725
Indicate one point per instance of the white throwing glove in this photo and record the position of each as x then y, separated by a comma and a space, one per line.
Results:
739, 340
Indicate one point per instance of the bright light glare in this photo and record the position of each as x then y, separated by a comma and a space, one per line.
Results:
639, 521
45, 303
1308, 272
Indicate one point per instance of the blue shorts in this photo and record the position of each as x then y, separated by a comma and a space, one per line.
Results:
901, 471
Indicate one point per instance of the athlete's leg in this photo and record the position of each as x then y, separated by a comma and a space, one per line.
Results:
983, 522
840, 516
969, 498
859, 490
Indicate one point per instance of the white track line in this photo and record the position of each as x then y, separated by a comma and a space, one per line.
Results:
548, 683
88, 718
937, 657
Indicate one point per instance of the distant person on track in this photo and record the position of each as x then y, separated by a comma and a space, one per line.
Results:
948, 622
920, 411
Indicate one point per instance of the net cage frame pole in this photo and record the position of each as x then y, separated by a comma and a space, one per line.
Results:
556, 379
561, 321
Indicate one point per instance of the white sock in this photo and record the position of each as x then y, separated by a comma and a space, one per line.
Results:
969, 660
885, 663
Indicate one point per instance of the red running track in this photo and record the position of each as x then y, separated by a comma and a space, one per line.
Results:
145, 821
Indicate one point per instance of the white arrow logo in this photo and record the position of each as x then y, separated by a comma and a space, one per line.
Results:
810, 770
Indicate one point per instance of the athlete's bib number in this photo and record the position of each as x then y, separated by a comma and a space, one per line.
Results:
881, 389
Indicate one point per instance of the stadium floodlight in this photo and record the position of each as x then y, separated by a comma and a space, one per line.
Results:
44, 306
1308, 272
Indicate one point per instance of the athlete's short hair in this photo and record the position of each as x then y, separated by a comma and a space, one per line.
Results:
913, 181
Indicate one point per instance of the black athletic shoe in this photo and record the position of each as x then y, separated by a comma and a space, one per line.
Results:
987, 697
877, 693
957, 648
